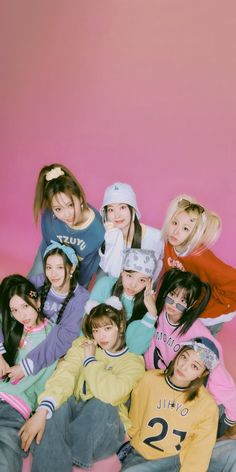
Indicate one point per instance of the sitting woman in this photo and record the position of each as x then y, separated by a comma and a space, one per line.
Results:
100, 372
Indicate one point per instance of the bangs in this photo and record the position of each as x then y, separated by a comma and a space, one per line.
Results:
101, 321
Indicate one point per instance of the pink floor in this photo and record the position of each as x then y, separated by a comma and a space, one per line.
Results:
112, 464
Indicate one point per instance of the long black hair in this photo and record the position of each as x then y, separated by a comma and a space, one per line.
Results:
12, 285
197, 295
139, 308
47, 284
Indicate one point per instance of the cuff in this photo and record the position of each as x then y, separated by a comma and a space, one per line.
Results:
89, 359
49, 405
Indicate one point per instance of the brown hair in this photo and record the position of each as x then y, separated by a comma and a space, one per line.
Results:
105, 314
46, 189
195, 385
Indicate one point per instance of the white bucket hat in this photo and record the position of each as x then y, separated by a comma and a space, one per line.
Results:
120, 193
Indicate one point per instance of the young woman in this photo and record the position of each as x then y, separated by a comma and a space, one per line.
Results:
123, 230
189, 228
174, 419
134, 284
62, 301
24, 328
67, 218
181, 298
100, 372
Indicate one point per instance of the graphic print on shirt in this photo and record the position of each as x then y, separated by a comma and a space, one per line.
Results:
72, 241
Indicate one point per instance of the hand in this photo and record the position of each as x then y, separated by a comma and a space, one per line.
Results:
149, 299
16, 373
89, 348
4, 366
33, 427
109, 225
175, 264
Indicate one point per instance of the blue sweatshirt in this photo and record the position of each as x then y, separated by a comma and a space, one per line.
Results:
85, 241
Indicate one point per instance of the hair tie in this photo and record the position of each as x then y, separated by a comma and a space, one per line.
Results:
113, 301
54, 173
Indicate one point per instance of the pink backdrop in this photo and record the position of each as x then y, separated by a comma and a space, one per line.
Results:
141, 91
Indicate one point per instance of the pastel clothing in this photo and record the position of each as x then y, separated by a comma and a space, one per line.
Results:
85, 241
165, 424
22, 396
102, 290
62, 335
80, 433
220, 276
111, 260
165, 341
109, 377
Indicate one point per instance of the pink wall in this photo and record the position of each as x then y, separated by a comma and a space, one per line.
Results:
141, 91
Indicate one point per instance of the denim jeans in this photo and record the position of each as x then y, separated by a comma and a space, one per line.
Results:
78, 433
37, 267
134, 462
11, 453
223, 457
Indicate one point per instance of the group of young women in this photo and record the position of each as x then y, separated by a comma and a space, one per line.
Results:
108, 346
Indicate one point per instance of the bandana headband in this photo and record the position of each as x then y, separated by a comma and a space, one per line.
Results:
207, 356
68, 251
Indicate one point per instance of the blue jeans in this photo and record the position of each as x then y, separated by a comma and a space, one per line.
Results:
11, 453
134, 462
37, 267
223, 457
78, 433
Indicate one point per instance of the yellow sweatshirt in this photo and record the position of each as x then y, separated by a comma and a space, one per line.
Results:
160, 429
109, 377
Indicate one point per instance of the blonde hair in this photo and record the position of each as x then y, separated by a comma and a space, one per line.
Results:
45, 190
206, 230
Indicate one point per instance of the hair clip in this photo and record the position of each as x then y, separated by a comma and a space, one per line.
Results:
54, 173
33, 294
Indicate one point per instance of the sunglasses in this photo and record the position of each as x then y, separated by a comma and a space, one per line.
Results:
187, 205
179, 306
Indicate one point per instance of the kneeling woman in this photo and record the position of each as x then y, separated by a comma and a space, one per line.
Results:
174, 418
100, 372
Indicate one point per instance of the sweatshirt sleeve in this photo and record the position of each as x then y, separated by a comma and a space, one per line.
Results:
58, 341
110, 387
195, 456
139, 334
61, 384
223, 389
149, 355
111, 260
102, 289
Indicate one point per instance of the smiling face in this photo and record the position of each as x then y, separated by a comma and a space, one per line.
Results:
120, 215
107, 335
188, 367
67, 209
133, 282
175, 304
58, 273
23, 312
181, 228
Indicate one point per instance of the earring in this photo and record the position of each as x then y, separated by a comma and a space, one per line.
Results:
82, 206
71, 275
